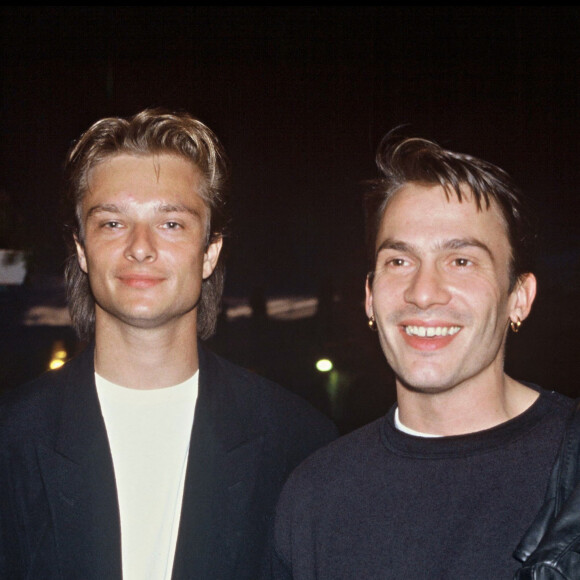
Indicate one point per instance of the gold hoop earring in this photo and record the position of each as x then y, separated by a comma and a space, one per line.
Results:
515, 325
373, 324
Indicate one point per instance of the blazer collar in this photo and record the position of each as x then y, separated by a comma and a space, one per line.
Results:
224, 455
79, 479
223, 463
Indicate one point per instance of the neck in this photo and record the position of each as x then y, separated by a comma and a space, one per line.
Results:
464, 408
145, 358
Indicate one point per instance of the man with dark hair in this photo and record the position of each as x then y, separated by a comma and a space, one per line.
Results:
146, 456
446, 484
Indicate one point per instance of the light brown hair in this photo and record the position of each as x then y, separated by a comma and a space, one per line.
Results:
150, 132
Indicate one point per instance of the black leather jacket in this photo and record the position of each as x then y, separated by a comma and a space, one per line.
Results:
550, 549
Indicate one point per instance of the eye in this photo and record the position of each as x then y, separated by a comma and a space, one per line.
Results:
462, 262
112, 224
172, 225
397, 262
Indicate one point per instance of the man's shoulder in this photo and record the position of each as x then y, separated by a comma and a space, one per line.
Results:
262, 399
553, 402
248, 382
34, 406
344, 457
368, 446
26, 409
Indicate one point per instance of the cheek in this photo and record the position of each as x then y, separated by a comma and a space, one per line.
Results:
485, 302
94, 266
483, 289
184, 260
386, 294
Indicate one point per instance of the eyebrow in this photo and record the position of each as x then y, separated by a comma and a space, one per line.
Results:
160, 208
453, 244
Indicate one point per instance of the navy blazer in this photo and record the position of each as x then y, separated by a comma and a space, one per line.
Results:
59, 516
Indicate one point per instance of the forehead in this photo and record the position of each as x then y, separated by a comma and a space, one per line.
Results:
424, 213
137, 178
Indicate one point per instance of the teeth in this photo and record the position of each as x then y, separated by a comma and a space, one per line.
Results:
430, 331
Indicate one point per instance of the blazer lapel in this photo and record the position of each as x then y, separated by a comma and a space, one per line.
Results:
223, 462
79, 479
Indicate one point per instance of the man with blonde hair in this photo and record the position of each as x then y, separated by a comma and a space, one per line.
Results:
147, 456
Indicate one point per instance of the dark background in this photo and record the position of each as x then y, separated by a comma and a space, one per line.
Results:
300, 97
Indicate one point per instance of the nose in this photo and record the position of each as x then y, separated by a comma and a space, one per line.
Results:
141, 245
427, 288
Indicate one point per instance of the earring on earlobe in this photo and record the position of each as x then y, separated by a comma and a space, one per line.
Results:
515, 325
372, 323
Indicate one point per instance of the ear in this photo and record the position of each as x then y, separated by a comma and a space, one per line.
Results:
81, 256
211, 255
522, 297
369, 297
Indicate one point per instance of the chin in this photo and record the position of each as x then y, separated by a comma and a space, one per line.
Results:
428, 386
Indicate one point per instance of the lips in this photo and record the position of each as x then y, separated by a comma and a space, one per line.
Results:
429, 337
140, 280
431, 331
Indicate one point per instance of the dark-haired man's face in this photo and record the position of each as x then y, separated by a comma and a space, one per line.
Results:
440, 292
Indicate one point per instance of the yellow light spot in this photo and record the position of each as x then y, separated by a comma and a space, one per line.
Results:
324, 365
59, 355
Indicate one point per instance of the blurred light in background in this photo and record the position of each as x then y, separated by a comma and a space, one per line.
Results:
59, 355
280, 308
323, 365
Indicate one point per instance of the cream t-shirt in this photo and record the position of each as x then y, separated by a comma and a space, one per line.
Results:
149, 433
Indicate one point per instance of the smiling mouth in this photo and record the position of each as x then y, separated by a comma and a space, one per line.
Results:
431, 331
140, 281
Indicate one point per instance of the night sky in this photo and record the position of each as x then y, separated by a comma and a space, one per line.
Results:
301, 97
